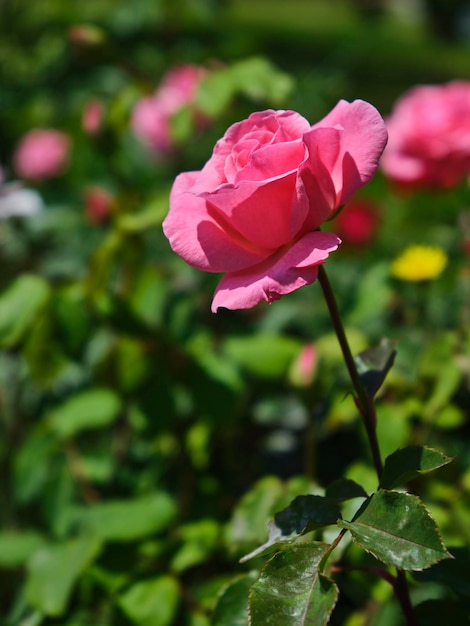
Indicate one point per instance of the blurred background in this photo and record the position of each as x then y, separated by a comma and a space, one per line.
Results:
145, 442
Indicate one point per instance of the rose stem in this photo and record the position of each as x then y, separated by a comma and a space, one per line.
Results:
364, 403
366, 407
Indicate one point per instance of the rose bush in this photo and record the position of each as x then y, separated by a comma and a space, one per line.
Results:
42, 153
429, 136
151, 117
255, 208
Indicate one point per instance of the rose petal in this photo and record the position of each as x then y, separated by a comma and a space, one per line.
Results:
323, 147
281, 274
201, 240
268, 214
363, 139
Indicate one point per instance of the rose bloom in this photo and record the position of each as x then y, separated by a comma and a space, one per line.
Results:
255, 209
41, 154
151, 117
357, 223
429, 136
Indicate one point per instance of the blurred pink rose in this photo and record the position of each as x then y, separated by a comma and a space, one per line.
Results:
98, 204
255, 208
151, 117
41, 154
92, 117
357, 223
429, 136
302, 370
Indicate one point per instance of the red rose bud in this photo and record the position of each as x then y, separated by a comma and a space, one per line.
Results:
98, 205
357, 223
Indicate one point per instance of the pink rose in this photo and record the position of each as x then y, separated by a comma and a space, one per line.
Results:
41, 154
255, 208
429, 136
151, 117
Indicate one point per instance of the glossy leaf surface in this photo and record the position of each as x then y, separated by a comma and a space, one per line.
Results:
398, 530
291, 591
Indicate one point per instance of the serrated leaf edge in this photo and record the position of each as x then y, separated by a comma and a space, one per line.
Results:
447, 554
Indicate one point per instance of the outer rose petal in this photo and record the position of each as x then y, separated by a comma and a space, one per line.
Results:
268, 213
278, 275
199, 239
363, 140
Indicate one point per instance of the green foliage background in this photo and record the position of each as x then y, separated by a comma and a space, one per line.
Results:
146, 443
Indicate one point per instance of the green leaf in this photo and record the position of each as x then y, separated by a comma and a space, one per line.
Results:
93, 408
200, 539
125, 520
232, 605
267, 355
19, 307
53, 571
398, 530
151, 602
408, 463
345, 489
307, 512
258, 506
291, 591
17, 547
374, 364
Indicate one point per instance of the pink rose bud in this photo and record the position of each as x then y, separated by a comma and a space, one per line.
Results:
429, 136
41, 154
255, 209
98, 205
151, 117
92, 117
302, 372
357, 223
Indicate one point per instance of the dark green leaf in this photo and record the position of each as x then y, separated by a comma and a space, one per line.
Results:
93, 408
305, 513
408, 463
54, 570
247, 528
398, 530
345, 489
374, 364
291, 591
19, 306
232, 605
151, 602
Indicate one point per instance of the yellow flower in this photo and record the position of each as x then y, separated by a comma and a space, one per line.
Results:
419, 263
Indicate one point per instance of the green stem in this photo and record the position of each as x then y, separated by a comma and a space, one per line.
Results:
366, 407
363, 402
